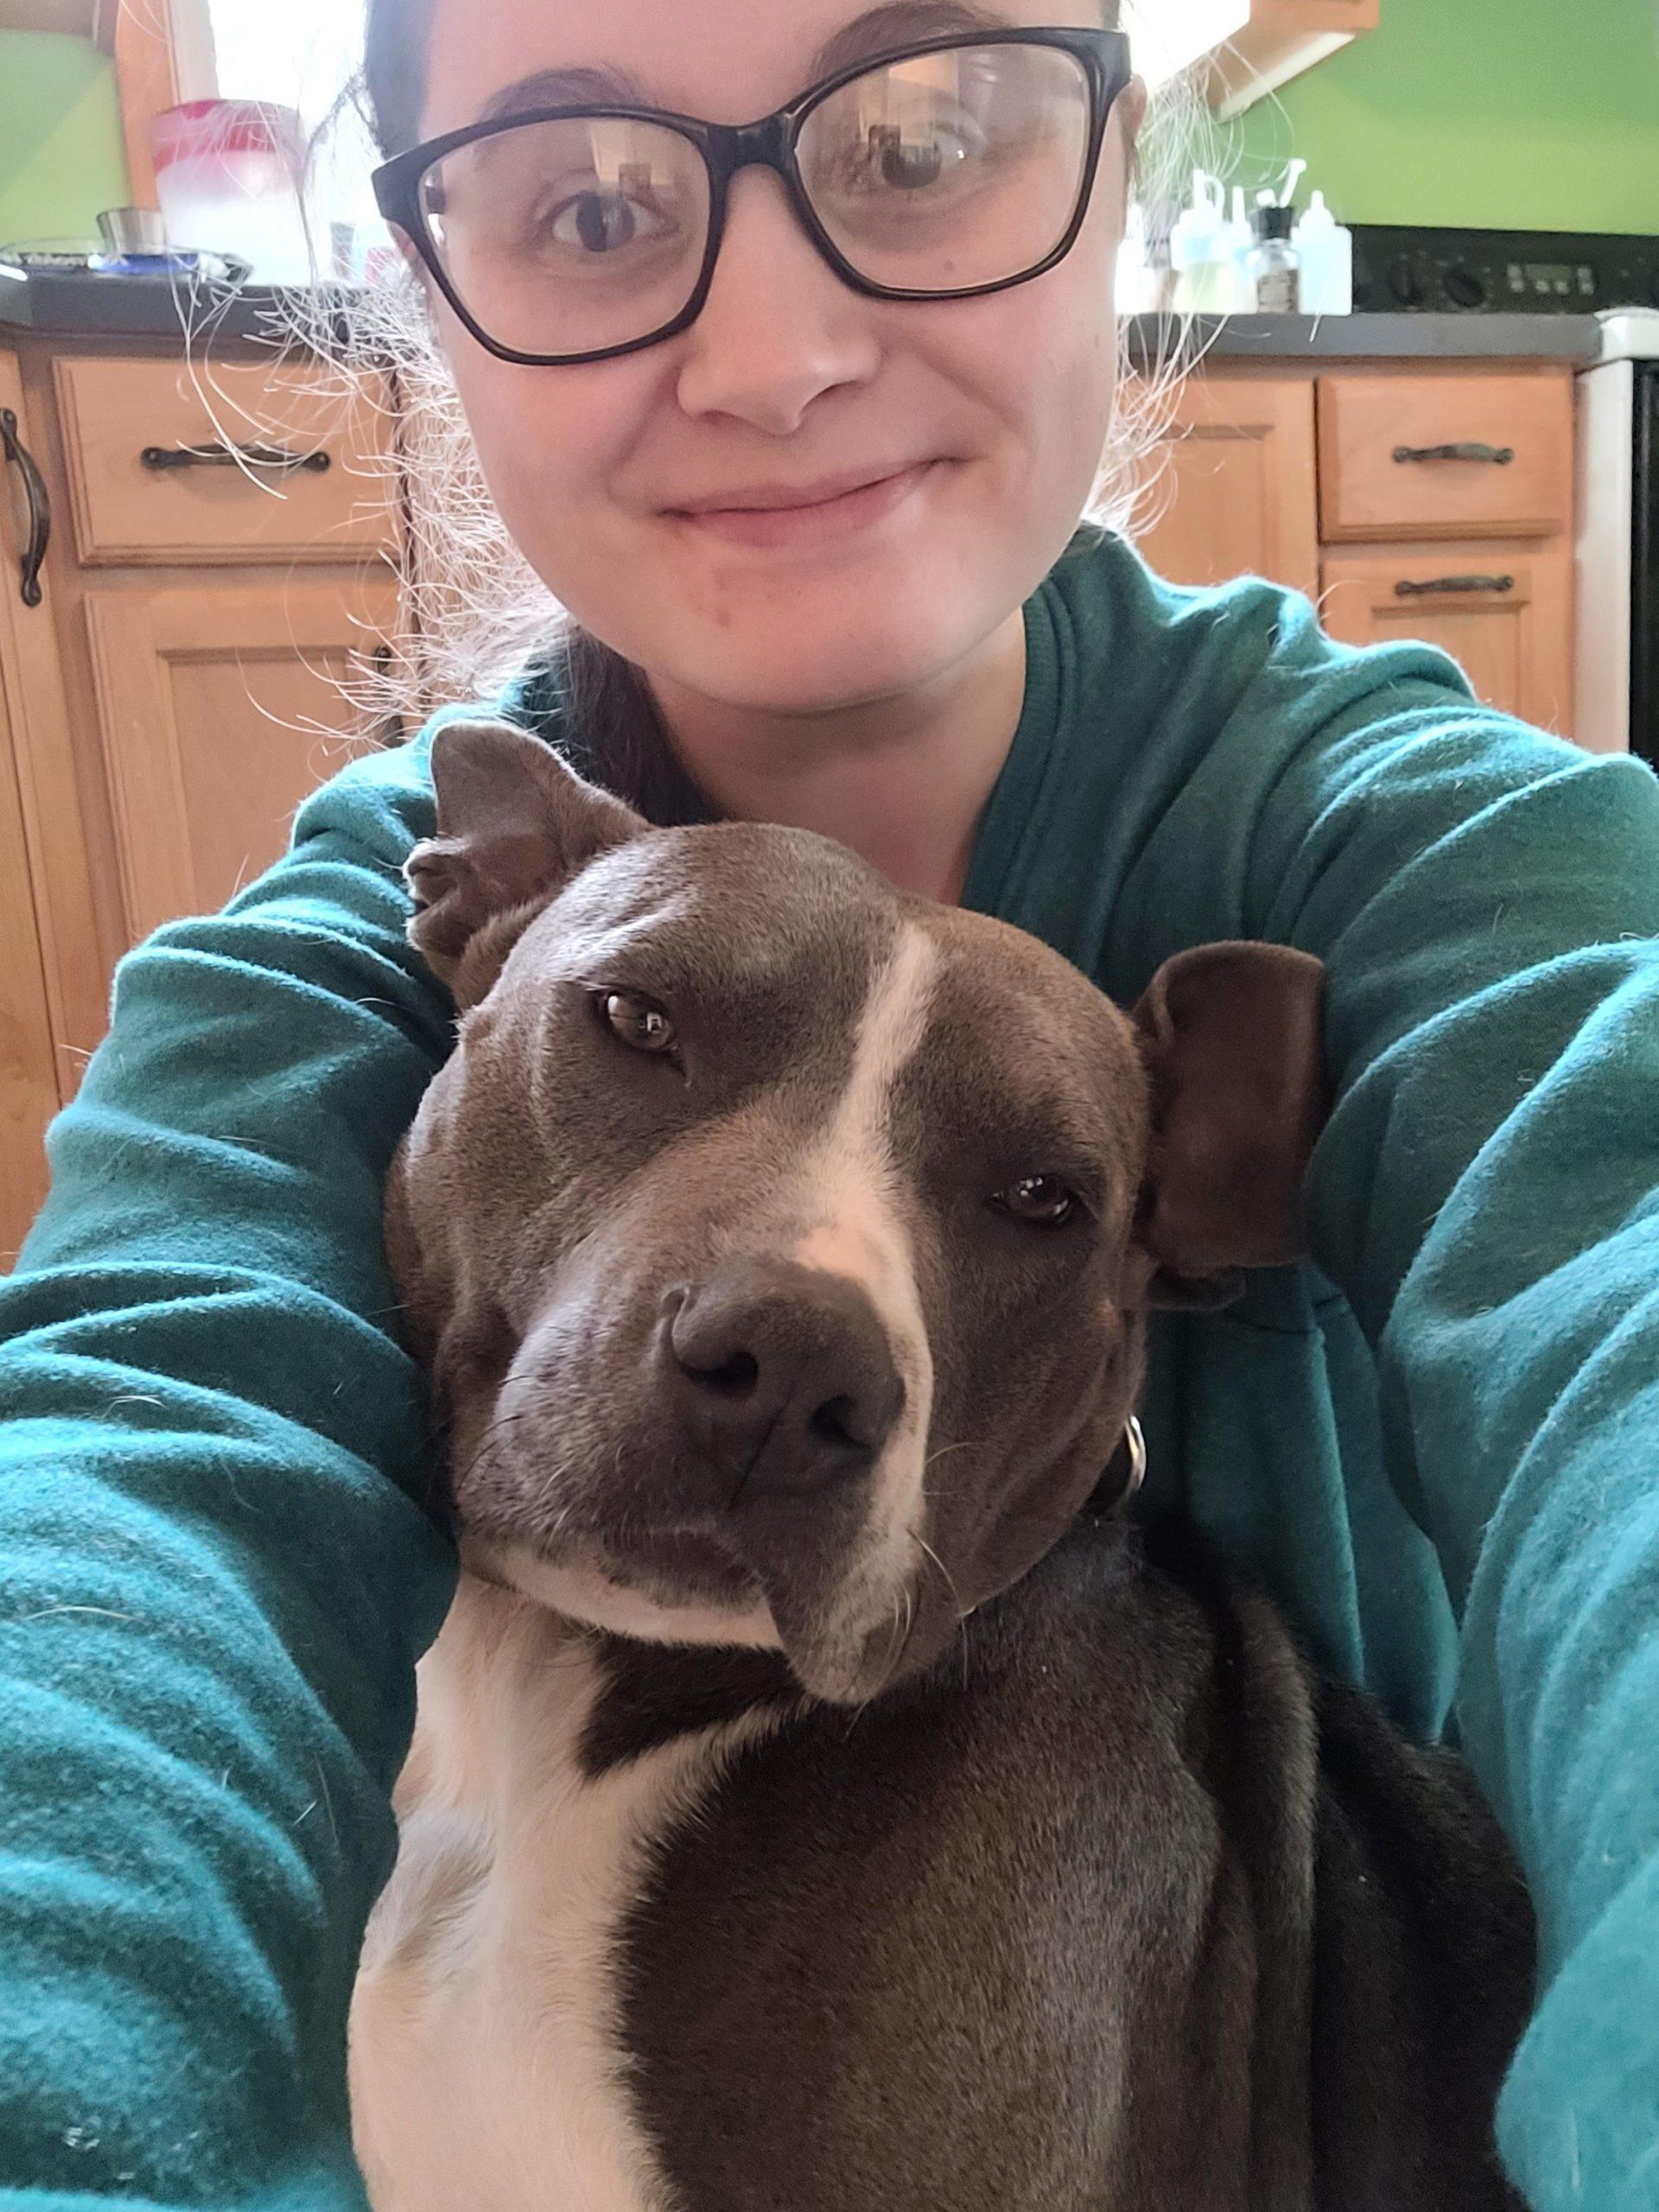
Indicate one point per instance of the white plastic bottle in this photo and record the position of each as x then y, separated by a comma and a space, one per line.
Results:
1237, 243
1326, 248
1204, 279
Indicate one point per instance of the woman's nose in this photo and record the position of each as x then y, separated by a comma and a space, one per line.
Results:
779, 328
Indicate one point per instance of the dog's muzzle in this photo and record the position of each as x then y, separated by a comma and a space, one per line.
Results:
779, 1380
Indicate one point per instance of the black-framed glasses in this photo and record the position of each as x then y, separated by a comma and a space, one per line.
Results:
935, 171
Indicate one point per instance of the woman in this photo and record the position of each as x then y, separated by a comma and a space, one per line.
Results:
1437, 1446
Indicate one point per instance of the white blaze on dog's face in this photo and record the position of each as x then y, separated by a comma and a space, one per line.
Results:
768, 1235
859, 1231
848, 1189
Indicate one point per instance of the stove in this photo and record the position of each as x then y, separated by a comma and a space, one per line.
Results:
1501, 272
1617, 571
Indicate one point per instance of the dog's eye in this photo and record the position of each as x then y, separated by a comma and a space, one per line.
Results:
637, 1021
1043, 1199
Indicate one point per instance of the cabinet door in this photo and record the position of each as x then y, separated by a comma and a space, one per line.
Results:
28, 1090
1505, 617
1231, 483
54, 771
29, 1068
219, 711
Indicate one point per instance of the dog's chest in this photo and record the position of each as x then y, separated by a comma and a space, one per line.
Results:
486, 2064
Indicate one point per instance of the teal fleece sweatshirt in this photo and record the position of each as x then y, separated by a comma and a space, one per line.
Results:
1437, 1443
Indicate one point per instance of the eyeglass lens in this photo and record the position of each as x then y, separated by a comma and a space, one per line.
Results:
937, 172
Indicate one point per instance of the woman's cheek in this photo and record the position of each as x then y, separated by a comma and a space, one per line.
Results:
547, 440
1056, 383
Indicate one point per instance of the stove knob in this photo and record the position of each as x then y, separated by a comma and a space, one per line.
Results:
1462, 288
1406, 285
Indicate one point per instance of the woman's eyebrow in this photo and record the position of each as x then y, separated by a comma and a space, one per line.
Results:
562, 88
899, 22
896, 22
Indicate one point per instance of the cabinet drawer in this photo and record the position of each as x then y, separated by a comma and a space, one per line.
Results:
339, 506
1453, 456
1507, 621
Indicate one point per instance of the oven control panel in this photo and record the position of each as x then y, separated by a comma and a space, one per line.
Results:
1501, 272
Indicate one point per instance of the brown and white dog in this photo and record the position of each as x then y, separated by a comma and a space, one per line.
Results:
822, 1798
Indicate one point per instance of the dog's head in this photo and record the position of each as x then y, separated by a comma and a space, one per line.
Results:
779, 1243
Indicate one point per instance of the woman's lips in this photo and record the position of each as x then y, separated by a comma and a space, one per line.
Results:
824, 519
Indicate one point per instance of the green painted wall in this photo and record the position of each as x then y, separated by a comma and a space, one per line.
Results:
1497, 114
62, 155
1523, 113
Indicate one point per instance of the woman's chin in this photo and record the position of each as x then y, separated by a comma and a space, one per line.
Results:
829, 652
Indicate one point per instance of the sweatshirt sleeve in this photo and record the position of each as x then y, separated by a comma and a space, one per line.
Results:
217, 1562
1486, 1194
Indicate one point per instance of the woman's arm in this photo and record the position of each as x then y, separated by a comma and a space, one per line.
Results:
216, 1565
1487, 1194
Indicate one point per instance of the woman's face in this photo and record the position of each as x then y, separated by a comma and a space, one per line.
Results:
788, 378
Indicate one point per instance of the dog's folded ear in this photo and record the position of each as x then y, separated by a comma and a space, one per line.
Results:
515, 824
1232, 1037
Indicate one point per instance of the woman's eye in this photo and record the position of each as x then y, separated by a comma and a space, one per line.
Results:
603, 222
637, 1021
1043, 1199
887, 159
911, 167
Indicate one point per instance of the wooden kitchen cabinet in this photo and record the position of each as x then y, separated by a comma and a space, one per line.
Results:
56, 769
1409, 499
1479, 457
29, 1088
312, 480
1503, 613
215, 710
175, 693
1415, 453
181, 682
1233, 488
87, 19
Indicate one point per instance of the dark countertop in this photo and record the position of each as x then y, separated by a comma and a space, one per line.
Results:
113, 307
1575, 338
60, 304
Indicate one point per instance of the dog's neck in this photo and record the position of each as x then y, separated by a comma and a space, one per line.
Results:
504, 1663
500, 1649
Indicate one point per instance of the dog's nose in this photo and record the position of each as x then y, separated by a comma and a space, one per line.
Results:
781, 1375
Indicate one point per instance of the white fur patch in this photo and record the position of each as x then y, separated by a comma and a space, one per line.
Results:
487, 2074
588, 1593
858, 1230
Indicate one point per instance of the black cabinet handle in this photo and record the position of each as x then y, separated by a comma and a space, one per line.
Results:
1499, 456
40, 510
392, 729
1450, 587
230, 456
